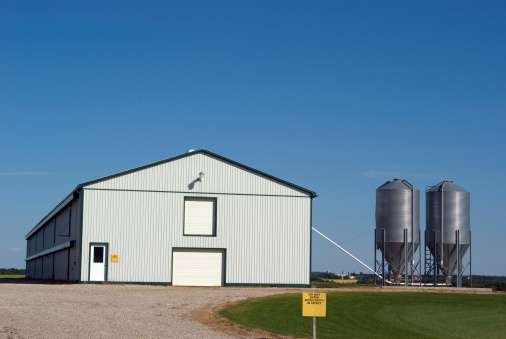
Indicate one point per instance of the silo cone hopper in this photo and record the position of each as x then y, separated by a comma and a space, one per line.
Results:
397, 233
395, 256
448, 231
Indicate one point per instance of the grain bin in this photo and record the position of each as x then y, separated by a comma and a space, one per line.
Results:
448, 231
397, 227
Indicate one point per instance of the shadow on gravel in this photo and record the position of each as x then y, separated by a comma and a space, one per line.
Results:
22, 281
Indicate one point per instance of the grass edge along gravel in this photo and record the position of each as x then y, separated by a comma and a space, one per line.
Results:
378, 315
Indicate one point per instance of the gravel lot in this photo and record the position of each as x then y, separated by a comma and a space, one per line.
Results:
35, 310
119, 311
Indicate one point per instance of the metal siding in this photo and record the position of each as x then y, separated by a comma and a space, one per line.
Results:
72, 264
43, 267
61, 264
30, 244
32, 268
40, 241
135, 224
48, 235
29, 269
33, 244
38, 268
51, 214
74, 235
180, 176
267, 239
62, 226
47, 272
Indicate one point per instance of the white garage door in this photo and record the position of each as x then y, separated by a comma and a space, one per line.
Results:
191, 267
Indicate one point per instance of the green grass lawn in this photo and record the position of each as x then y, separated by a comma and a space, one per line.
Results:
12, 276
379, 315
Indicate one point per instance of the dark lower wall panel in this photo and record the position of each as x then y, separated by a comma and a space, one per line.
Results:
29, 272
47, 272
72, 264
61, 264
38, 268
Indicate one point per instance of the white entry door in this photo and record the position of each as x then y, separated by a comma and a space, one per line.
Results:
98, 262
194, 267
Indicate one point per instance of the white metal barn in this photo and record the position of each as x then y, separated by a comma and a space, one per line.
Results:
197, 219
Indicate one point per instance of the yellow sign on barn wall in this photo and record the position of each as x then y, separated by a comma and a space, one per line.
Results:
114, 257
314, 304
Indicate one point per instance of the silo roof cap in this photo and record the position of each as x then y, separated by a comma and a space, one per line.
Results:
396, 184
447, 186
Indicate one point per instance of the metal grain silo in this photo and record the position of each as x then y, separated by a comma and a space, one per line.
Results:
448, 230
397, 227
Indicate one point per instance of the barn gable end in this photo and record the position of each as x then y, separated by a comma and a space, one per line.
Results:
194, 219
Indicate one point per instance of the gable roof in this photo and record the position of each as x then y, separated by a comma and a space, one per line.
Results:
74, 192
311, 193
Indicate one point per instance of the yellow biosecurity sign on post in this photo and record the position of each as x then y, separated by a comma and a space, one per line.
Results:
314, 304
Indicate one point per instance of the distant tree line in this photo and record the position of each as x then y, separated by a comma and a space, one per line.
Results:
495, 282
367, 279
11, 271
489, 277
324, 275
496, 285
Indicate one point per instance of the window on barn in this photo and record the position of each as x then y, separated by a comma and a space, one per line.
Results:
98, 254
200, 216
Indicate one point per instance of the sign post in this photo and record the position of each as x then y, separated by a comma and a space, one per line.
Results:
314, 304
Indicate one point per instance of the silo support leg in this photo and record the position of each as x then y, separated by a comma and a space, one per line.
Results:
375, 259
436, 265
406, 272
383, 257
459, 262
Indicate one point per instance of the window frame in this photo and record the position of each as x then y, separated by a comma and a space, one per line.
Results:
215, 216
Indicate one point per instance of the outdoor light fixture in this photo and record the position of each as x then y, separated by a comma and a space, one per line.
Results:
201, 176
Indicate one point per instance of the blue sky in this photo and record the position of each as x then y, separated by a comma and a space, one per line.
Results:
337, 97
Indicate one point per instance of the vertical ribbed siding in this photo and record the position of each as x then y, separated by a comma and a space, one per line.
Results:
180, 175
57, 230
135, 226
267, 238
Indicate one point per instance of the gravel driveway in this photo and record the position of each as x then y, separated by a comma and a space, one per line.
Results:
135, 311
116, 311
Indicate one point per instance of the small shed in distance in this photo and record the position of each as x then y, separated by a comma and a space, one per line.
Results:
197, 219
